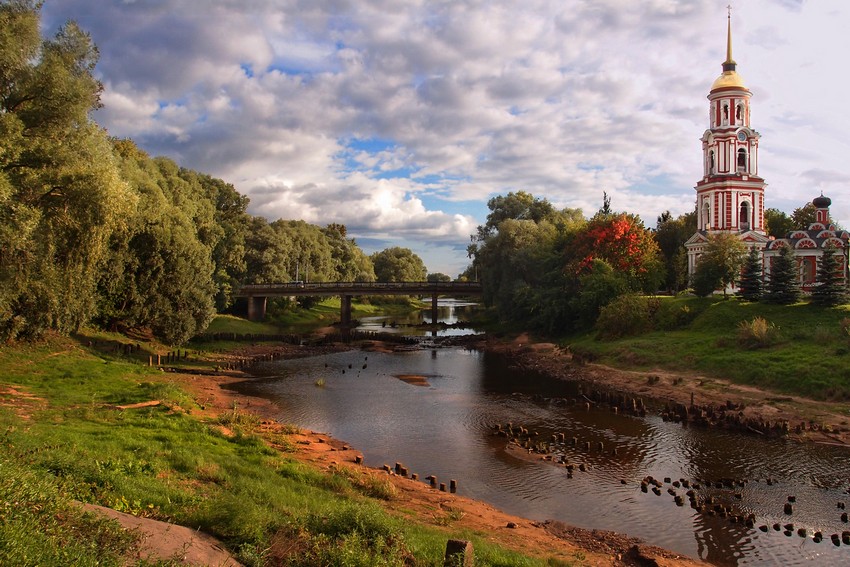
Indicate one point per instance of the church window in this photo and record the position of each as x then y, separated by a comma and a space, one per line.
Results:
739, 112
725, 113
742, 159
744, 218
706, 215
711, 161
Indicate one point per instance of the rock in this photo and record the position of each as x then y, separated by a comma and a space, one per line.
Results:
459, 553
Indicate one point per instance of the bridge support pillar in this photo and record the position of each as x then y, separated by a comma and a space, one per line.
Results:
345, 311
257, 308
433, 308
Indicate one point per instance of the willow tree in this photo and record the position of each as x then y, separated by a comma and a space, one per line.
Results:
60, 192
159, 273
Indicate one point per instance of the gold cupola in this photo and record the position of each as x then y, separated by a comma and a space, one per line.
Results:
729, 78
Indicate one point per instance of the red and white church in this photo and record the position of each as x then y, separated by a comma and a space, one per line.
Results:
730, 195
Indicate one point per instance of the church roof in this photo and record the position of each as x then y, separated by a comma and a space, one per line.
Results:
815, 238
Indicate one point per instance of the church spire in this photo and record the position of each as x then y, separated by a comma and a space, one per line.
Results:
729, 64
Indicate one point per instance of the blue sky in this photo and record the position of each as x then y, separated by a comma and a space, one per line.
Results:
401, 119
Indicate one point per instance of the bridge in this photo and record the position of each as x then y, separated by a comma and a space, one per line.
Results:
258, 294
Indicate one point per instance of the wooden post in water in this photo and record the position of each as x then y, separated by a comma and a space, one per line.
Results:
433, 308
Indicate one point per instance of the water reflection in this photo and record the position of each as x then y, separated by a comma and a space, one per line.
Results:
450, 311
446, 429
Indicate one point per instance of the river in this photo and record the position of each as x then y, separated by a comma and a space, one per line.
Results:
442, 424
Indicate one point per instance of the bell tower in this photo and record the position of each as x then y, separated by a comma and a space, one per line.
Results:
730, 195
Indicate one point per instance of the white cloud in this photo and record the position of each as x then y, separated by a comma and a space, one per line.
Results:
564, 99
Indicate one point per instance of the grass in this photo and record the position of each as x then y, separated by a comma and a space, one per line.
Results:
67, 441
800, 349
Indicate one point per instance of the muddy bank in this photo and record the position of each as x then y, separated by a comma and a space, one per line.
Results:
692, 398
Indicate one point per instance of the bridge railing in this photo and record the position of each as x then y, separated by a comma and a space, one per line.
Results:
302, 288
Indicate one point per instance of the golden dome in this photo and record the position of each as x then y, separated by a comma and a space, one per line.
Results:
727, 80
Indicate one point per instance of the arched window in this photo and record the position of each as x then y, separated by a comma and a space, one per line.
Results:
725, 113
744, 217
742, 159
706, 215
739, 112
711, 161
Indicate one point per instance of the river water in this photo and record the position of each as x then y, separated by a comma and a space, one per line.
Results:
444, 426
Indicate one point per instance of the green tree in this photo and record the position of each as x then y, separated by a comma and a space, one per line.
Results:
752, 276
830, 288
438, 277
350, 263
310, 257
606, 209
783, 286
518, 257
671, 235
267, 253
803, 216
719, 266
598, 288
159, 273
228, 248
398, 264
60, 193
517, 206
777, 223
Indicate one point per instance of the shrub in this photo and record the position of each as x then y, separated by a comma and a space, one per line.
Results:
758, 333
627, 315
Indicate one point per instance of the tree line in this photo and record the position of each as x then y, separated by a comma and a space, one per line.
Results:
556, 271
92, 229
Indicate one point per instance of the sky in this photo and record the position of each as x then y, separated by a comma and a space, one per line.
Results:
402, 118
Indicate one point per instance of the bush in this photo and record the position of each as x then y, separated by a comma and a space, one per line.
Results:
674, 316
627, 315
758, 333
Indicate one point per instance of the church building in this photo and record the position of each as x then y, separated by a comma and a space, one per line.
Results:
730, 195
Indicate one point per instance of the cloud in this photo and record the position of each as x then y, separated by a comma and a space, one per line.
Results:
286, 99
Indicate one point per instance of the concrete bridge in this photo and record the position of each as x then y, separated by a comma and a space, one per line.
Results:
258, 294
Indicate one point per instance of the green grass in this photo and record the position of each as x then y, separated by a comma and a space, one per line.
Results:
806, 352
240, 326
69, 442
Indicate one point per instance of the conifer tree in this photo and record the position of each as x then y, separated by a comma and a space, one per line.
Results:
750, 286
783, 287
830, 289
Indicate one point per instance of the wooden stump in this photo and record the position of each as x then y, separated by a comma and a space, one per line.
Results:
459, 553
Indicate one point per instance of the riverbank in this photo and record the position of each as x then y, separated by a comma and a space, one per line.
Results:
97, 386
810, 421
744, 408
415, 499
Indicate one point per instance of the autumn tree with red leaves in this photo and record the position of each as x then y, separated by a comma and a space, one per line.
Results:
622, 242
